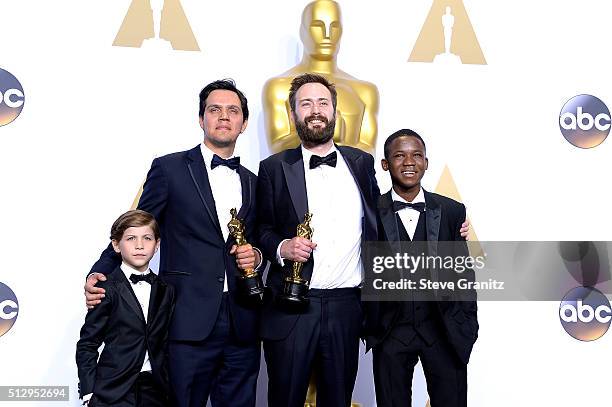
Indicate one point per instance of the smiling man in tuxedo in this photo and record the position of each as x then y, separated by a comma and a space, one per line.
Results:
214, 348
337, 185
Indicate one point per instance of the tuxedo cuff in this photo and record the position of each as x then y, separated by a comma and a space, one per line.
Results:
260, 258
279, 259
86, 398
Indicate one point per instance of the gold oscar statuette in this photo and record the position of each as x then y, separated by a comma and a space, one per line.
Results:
296, 288
249, 282
357, 109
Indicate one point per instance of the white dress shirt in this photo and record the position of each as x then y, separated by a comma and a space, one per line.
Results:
142, 289
227, 193
409, 216
337, 211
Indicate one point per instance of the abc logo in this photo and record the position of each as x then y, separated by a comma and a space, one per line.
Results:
12, 97
585, 313
9, 308
585, 121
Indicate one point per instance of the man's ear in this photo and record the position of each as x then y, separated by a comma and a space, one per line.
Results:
385, 164
244, 125
426, 162
202, 122
116, 246
157, 245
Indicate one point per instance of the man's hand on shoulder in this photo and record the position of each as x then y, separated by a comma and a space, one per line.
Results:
465, 229
93, 294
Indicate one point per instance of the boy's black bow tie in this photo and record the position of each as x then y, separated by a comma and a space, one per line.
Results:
135, 278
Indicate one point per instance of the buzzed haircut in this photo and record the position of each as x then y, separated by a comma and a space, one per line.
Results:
402, 133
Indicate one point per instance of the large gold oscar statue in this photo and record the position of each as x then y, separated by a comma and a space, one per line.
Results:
357, 108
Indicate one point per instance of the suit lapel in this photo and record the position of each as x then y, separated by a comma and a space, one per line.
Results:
357, 170
157, 293
197, 171
126, 292
433, 213
387, 216
293, 169
247, 190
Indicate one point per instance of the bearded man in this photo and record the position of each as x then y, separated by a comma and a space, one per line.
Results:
337, 185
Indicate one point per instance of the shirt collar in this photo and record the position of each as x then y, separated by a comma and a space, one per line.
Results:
207, 154
129, 270
306, 154
419, 198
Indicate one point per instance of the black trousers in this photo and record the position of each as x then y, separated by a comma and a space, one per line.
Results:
394, 361
325, 340
144, 393
219, 367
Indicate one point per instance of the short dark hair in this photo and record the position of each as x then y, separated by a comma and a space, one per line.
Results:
130, 219
224, 84
303, 79
402, 133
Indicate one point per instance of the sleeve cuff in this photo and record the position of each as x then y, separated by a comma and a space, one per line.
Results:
260, 258
86, 398
279, 259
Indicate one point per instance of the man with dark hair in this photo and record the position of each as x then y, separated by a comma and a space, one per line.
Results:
440, 334
223, 84
337, 185
214, 345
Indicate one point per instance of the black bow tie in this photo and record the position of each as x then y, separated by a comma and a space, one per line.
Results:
135, 278
231, 163
398, 206
330, 159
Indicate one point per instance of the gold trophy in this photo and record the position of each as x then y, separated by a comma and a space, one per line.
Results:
249, 282
296, 288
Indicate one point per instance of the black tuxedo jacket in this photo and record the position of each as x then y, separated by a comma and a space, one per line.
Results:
194, 256
282, 203
119, 322
444, 217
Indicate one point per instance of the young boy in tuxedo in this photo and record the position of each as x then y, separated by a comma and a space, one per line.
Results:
132, 322
439, 334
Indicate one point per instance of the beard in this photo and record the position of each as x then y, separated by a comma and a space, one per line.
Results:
316, 136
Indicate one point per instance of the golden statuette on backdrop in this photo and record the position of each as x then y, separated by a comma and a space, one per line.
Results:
296, 288
356, 123
249, 282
